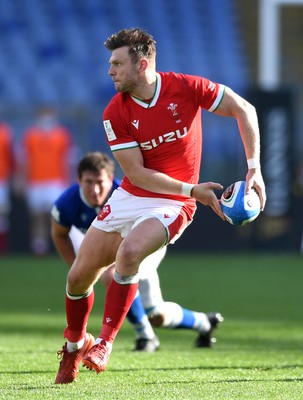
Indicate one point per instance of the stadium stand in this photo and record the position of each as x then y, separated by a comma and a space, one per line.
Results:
53, 50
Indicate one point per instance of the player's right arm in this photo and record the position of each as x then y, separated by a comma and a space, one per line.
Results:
62, 242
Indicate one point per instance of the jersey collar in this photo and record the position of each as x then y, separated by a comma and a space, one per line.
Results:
155, 97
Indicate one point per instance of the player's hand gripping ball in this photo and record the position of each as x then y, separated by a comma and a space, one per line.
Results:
240, 208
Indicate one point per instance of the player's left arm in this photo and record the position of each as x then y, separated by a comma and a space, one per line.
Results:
62, 242
233, 105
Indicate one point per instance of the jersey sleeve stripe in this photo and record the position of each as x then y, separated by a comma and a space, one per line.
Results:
123, 146
218, 99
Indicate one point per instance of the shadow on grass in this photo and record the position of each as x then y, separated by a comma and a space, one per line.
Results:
204, 368
218, 381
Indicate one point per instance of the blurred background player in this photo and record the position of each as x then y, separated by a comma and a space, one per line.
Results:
45, 162
6, 173
72, 214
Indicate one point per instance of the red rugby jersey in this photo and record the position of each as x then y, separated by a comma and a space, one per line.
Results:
168, 129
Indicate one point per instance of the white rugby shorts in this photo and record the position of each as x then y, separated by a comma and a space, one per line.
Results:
123, 211
41, 196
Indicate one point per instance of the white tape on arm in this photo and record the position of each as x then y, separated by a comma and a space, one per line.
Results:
186, 189
253, 163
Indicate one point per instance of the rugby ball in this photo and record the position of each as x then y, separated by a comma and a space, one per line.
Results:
240, 208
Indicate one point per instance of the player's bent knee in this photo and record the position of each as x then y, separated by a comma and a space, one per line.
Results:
130, 252
75, 284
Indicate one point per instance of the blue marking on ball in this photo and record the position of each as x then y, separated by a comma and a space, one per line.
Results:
240, 208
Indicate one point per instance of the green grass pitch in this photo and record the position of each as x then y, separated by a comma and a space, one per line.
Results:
259, 349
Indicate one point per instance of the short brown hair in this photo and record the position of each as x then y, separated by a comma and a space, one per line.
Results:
95, 162
140, 43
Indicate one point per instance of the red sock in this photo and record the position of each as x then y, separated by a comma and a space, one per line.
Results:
117, 303
77, 313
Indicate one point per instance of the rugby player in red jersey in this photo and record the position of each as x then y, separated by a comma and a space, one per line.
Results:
154, 129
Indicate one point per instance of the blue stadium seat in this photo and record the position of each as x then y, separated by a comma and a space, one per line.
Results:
61, 42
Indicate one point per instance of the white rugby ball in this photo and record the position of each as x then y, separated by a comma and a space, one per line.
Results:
240, 208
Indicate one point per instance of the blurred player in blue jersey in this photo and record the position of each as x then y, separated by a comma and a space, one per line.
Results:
72, 214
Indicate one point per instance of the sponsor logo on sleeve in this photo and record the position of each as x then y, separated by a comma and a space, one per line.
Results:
55, 213
109, 130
